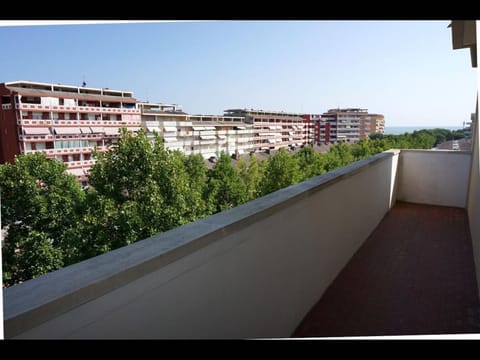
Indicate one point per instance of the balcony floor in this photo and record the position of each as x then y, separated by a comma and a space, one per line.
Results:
414, 275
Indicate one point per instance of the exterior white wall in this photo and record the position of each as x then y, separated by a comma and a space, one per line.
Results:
473, 206
49, 101
251, 272
69, 102
434, 177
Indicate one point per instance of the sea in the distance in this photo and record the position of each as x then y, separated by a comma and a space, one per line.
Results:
397, 130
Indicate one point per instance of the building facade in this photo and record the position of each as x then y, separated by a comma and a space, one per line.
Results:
273, 129
65, 122
350, 125
327, 128
208, 135
312, 122
371, 124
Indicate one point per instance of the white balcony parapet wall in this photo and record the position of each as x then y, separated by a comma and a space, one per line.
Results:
252, 271
434, 177
473, 205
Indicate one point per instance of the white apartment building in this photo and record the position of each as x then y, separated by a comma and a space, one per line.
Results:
275, 129
208, 135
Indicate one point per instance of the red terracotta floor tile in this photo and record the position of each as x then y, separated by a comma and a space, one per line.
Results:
417, 277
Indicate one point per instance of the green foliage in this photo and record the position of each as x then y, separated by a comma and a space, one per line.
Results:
142, 189
282, 170
40, 201
28, 256
200, 204
225, 185
310, 163
251, 176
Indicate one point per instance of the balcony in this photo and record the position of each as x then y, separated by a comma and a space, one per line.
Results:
81, 122
382, 241
414, 275
77, 108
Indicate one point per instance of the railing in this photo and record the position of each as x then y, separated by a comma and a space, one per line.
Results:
79, 108
252, 271
58, 122
80, 164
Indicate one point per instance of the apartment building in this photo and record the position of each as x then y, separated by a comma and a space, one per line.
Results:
371, 124
65, 122
351, 125
327, 128
207, 135
313, 122
274, 129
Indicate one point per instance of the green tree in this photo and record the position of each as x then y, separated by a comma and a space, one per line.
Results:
281, 171
343, 152
376, 136
143, 189
310, 163
196, 168
362, 149
251, 176
225, 185
33, 254
40, 202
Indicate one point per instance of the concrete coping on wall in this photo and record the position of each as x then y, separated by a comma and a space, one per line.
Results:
438, 151
35, 301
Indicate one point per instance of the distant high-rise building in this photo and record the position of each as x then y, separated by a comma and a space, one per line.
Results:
377, 124
64, 122
351, 125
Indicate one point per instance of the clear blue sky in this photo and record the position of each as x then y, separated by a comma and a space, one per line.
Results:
405, 70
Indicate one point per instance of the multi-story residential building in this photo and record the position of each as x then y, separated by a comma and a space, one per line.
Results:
379, 120
350, 125
274, 129
371, 124
207, 135
312, 122
65, 122
162, 119
327, 128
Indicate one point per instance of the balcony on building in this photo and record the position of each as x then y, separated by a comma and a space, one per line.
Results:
388, 245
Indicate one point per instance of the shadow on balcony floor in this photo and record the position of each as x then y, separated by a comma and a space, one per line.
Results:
414, 275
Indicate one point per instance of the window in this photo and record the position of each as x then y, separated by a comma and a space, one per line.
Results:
60, 101
5, 99
31, 100
33, 146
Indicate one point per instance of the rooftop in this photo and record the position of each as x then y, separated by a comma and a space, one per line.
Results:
22, 84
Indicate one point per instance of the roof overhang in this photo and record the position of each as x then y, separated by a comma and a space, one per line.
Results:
464, 36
